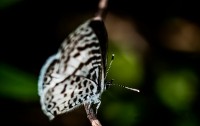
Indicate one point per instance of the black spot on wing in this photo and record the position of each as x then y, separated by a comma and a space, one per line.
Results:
70, 106
77, 54
75, 99
85, 83
91, 87
80, 100
58, 108
54, 112
45, 78
78, 79
51, 105
72, 94
79, 86
80, 92
66, 60
87, 90
85, 97
72, 82
64, 89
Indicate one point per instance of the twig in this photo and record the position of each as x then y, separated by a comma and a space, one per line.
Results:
92, 116
101, 10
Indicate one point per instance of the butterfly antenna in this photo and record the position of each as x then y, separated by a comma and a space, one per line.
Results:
132, 89
112, 59
101, 10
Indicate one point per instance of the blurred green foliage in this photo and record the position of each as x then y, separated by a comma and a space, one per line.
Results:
177, 89
17, 84
127, 69
121, 113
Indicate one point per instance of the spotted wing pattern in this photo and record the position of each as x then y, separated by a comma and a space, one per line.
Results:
75, 74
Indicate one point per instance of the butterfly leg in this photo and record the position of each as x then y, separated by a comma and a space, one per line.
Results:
98, 102
98, 105
89, 105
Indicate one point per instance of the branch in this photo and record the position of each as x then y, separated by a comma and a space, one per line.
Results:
101, 9
91, 116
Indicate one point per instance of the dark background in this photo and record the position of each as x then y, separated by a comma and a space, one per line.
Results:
32, 30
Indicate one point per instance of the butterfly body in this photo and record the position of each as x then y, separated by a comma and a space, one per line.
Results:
76, 74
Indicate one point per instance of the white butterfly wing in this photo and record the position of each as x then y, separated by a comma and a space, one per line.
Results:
67, 95
75, 74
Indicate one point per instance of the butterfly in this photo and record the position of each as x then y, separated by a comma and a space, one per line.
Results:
75, 75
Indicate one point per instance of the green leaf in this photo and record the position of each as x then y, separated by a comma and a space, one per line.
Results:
17, 84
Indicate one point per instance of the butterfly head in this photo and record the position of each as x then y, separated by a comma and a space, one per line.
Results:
108, 84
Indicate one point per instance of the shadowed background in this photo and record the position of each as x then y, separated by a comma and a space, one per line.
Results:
156, 46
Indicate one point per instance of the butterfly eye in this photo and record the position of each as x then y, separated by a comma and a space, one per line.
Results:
108, 84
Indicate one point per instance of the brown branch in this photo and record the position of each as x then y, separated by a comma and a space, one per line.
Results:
92, 116
101, 9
